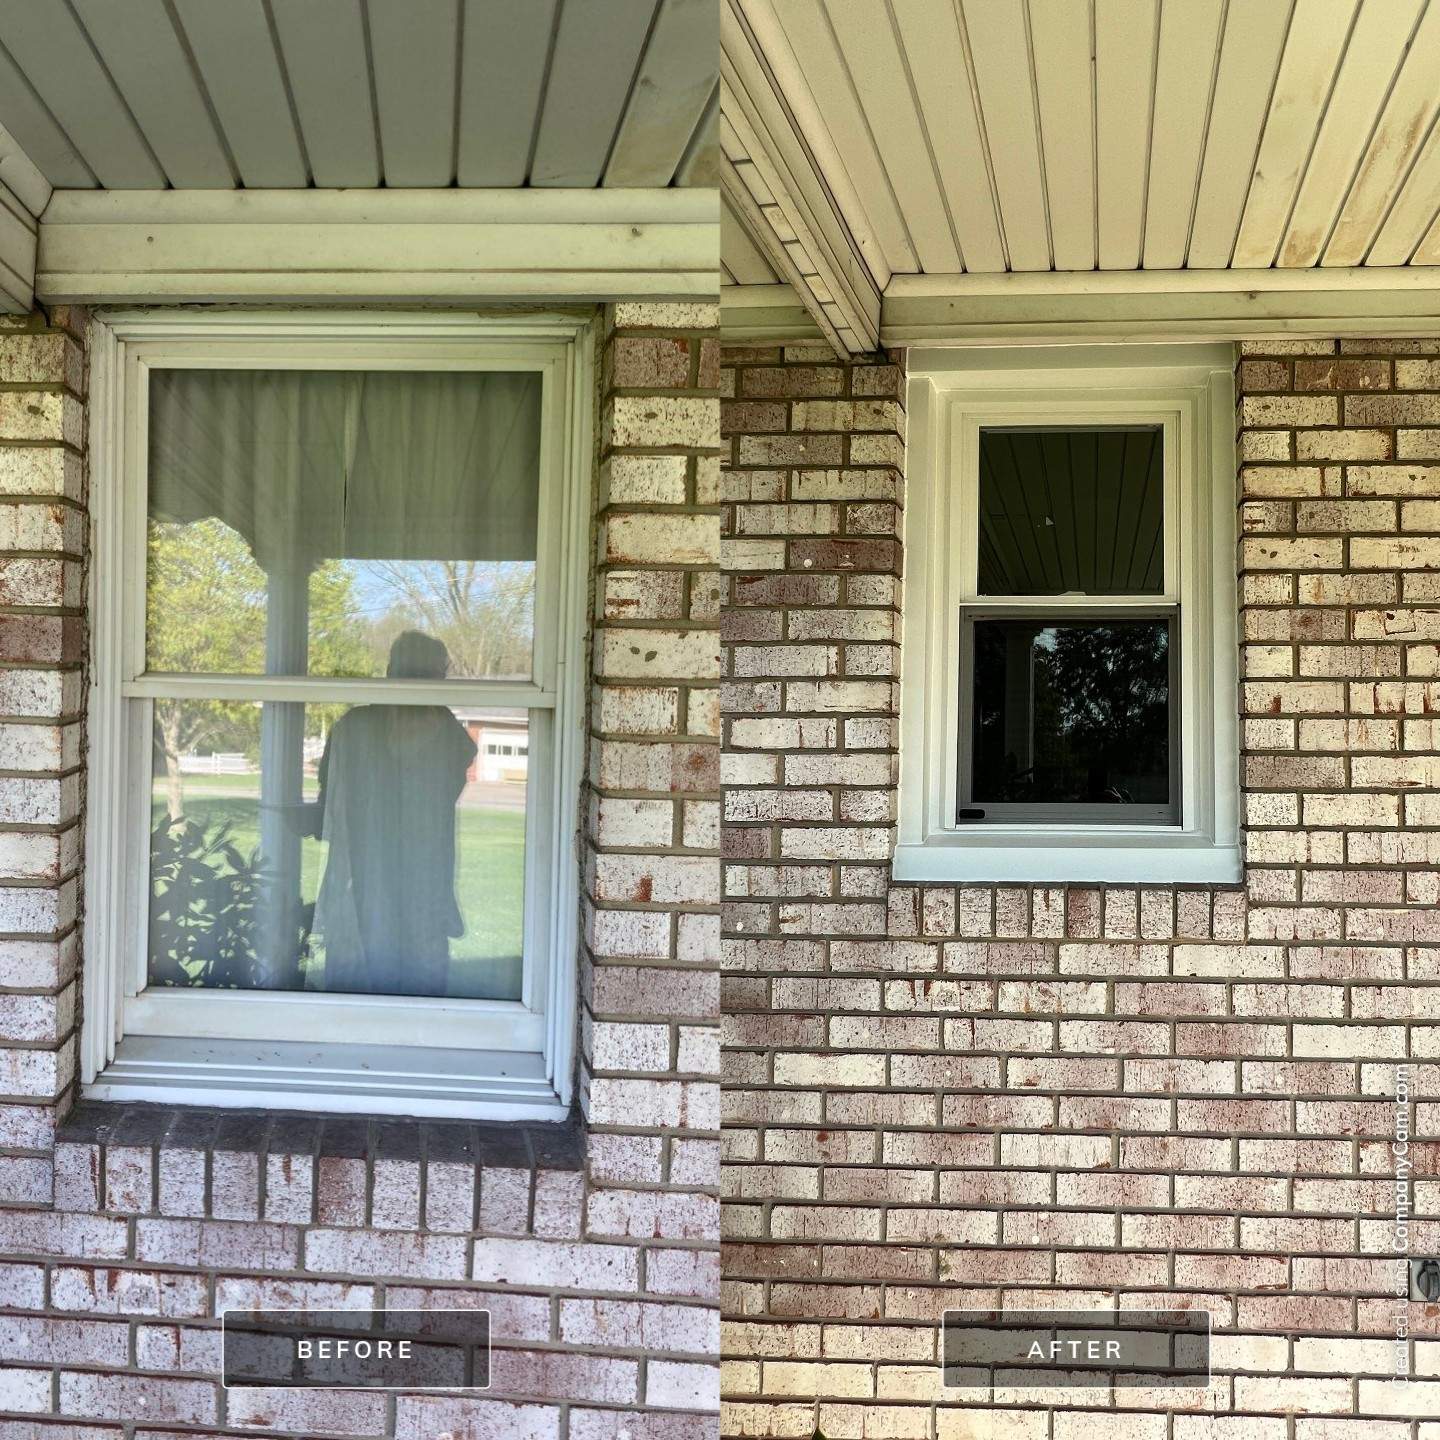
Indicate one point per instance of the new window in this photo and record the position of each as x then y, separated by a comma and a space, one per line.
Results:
1069, 675
340, 571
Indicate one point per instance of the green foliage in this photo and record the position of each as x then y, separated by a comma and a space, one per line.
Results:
206, 908
205, 615
205, 608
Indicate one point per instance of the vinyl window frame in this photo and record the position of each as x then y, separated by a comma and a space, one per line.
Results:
953, 395
419, 1055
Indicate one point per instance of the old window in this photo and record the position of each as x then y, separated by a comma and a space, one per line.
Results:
1069, 669
344, 581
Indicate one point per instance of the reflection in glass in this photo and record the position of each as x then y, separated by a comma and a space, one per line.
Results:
369, 849
300, 519
1071, 712
1073, 511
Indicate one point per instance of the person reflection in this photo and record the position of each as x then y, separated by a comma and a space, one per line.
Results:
390, 778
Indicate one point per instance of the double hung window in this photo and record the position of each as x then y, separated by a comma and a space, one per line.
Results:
346, 582
1069, 671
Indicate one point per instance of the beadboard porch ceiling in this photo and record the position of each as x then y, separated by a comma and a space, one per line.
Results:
206, 97
911, 168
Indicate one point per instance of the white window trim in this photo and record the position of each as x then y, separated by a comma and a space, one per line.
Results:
951, 394
489, 1059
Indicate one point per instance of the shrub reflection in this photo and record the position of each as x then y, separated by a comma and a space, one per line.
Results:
1072, 712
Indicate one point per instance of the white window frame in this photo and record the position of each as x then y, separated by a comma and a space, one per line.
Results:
421, 1055
952, 395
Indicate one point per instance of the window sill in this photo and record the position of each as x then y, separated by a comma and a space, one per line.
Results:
1128, 857
339, 1079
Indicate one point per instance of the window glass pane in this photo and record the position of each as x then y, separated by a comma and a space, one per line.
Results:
1072, 511
1071, 712
368, 849
300, 519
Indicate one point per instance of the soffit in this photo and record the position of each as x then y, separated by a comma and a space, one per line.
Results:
277, 94
993, 138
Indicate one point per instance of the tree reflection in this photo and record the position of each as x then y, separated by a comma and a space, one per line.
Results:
1075, 712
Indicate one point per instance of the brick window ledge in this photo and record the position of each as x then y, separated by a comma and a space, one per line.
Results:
452, 1176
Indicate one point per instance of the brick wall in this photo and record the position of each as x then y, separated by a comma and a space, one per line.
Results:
594, 1245
43, 544
945, 1096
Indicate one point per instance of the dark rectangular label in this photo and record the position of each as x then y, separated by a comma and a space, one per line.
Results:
1076, 1349
357, 1349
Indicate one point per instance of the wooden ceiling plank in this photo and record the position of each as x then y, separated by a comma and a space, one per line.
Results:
1404, 123
233, 48
931, 40
1060, 43
791, 262
676, 81
412, 48
18, 237
1249, 58
1184, 75
24, 116
144, 56
836, 132
597, 49
1124, 98
1313, 52
1410, 217
780, 145
48, 45
741, 256
323, 44
700, 164
1428, 252
21, 176
1371, 59
868, 46
996, 32
502, 79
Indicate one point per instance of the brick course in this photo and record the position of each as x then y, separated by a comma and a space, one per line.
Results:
951, 1095
595, 1250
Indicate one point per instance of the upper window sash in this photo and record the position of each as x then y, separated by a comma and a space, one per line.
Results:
493, 354
1080, 409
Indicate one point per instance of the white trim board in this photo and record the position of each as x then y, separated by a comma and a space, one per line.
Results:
1159, 305
1152, 306
273, 246
765, 315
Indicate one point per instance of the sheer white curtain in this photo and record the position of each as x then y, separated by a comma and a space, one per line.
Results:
317, 465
